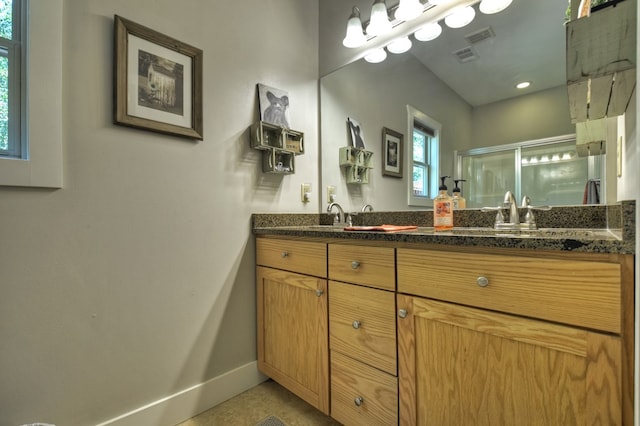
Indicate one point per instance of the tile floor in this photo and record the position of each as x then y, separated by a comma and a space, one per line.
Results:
252, 406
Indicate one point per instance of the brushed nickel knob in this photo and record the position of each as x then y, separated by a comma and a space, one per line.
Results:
358, 401
284, 254
319, 292
356, 324
402, 313
482, 281
355, 264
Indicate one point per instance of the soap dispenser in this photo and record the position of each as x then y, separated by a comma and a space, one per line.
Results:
443, 209
458, 200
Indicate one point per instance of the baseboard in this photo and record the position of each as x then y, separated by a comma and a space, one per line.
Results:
187, 403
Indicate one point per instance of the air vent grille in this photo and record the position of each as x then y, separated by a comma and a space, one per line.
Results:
465, 54
480, 35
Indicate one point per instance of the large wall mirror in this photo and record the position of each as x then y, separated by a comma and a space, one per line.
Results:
474, 100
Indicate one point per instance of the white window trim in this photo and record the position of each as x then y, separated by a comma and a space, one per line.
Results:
43, 167
414, 114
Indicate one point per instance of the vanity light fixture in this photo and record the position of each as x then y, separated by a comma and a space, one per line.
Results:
439, 2
460, 17
408, 10
375, 56
399, 45
354, 37
431, 31
379, 23
489, 7
523, 85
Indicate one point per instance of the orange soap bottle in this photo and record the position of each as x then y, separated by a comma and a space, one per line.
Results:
443, 209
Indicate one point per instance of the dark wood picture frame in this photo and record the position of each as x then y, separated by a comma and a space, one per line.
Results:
392, 152
157, 81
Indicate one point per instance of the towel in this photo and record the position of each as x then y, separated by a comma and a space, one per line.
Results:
381, 228
592, 192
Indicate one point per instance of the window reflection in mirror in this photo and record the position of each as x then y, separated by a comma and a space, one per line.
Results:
423, 157
548, 171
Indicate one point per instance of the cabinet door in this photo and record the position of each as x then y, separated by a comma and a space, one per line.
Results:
292, 333
461, 365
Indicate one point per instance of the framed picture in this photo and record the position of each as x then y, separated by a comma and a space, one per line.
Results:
355, 130
157, 81
274, 105
391, 153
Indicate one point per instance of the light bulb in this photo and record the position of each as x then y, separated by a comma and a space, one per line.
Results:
379, 22
493, 6
460, 17
399, 45
408, 10
354, 37
375, 56
428, 32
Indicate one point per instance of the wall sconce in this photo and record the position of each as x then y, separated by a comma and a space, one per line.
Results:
399, 45
354, 37
376, 56
460, 17
428, 32
408, 10
379, 23
489, 7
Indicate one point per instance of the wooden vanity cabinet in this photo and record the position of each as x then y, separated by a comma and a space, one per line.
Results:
292, 317
362, 335
511, 339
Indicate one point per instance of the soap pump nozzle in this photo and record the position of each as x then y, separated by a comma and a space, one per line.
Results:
443, 187
455, 182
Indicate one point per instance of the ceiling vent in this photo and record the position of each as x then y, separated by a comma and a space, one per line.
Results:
465, 54
480, 35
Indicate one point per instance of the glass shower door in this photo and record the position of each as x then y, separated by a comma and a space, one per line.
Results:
488, 176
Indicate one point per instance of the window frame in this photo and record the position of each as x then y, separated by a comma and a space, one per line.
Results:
42, 124
432, 153
12, 50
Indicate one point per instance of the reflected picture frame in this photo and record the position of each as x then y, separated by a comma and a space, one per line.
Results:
392, 152
157, 81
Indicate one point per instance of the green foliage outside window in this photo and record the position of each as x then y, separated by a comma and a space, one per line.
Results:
6, 29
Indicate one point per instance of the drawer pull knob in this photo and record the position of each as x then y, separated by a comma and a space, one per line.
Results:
319, 292
358, 401
355, 264
402, 313
482, 281
284, 254
356, 324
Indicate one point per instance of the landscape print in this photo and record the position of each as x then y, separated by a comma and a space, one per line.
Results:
160, 83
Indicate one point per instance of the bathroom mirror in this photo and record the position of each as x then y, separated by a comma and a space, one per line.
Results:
464, 80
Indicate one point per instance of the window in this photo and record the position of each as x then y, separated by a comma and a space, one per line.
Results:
40, 164
548, 171
11, 77
423, 157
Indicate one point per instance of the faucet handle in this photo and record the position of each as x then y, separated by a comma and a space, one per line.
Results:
526, 201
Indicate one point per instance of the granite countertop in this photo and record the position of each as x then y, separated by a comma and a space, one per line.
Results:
597, 229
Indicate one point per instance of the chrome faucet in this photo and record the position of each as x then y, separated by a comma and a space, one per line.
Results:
510, 203
339, 218
367, 207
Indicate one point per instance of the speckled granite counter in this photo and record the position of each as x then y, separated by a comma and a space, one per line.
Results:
597, 229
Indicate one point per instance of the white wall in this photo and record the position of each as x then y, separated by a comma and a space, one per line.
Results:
136, 280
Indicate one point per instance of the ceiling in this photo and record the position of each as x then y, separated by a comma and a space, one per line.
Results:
528, 44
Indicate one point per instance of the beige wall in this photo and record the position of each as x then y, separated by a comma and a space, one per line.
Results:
136, 280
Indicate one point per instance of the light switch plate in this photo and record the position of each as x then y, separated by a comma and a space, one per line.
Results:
331, 193
305, 192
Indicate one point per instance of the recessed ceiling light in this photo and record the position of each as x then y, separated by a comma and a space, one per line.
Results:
523, 85
493, 6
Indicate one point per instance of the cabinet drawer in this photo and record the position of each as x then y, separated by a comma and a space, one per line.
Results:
362, 324
372, 266
298, 256
576, 292
362, 395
